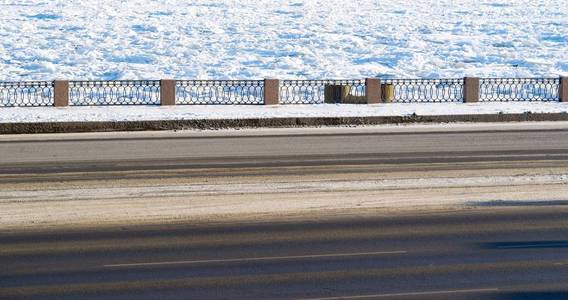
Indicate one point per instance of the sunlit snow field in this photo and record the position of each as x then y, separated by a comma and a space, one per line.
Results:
227, 39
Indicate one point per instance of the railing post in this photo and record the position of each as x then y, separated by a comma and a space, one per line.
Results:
373, 90
471, 90
563, 93
271, 91
167, 92
61, 93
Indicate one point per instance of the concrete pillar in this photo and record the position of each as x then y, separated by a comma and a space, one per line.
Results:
373, 90
61, 93
563, 89
471, 90
167, 92
271, 91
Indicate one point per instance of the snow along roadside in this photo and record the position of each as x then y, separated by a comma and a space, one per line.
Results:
225, 201
271, 188
232, 112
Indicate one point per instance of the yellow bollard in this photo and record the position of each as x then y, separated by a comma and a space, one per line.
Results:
335, 93
341, 94
387, 92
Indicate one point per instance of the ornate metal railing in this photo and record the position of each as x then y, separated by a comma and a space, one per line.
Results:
423, 90
314, 91
220, 92
30, 93
119, 92
519, 89
231, 92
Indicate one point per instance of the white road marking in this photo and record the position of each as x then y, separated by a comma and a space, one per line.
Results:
408, 294
189, 262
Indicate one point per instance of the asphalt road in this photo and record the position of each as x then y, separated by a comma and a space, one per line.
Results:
89, 153
505, 250
497, 253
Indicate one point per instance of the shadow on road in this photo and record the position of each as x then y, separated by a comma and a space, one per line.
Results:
530, 295
501, 295
514, 203
525, 245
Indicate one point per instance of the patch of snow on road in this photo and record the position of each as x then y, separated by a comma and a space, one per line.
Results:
74, 194
222, 39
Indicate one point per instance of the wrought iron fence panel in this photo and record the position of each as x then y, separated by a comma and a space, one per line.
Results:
116, 92
314, 91
28, 93
519, 89
249, 92
425, 90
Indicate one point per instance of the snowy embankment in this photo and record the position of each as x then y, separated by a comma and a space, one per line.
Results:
239, 39
208, 112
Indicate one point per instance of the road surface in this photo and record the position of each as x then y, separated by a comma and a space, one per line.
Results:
417, 212
282, 147
514, 253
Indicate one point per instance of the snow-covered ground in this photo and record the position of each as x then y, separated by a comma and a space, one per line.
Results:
194, 112
222, 39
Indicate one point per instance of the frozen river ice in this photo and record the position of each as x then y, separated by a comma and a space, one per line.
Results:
228, 39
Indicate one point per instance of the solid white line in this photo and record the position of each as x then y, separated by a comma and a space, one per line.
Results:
189, 262
407, 294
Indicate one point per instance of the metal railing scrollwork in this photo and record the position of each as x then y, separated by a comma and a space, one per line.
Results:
27, 93
220, 92
118, 92
425, 90
519, 89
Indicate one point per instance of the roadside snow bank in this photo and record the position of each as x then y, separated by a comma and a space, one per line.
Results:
206, 112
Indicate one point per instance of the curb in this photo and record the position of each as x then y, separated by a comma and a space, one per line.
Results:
69, 127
